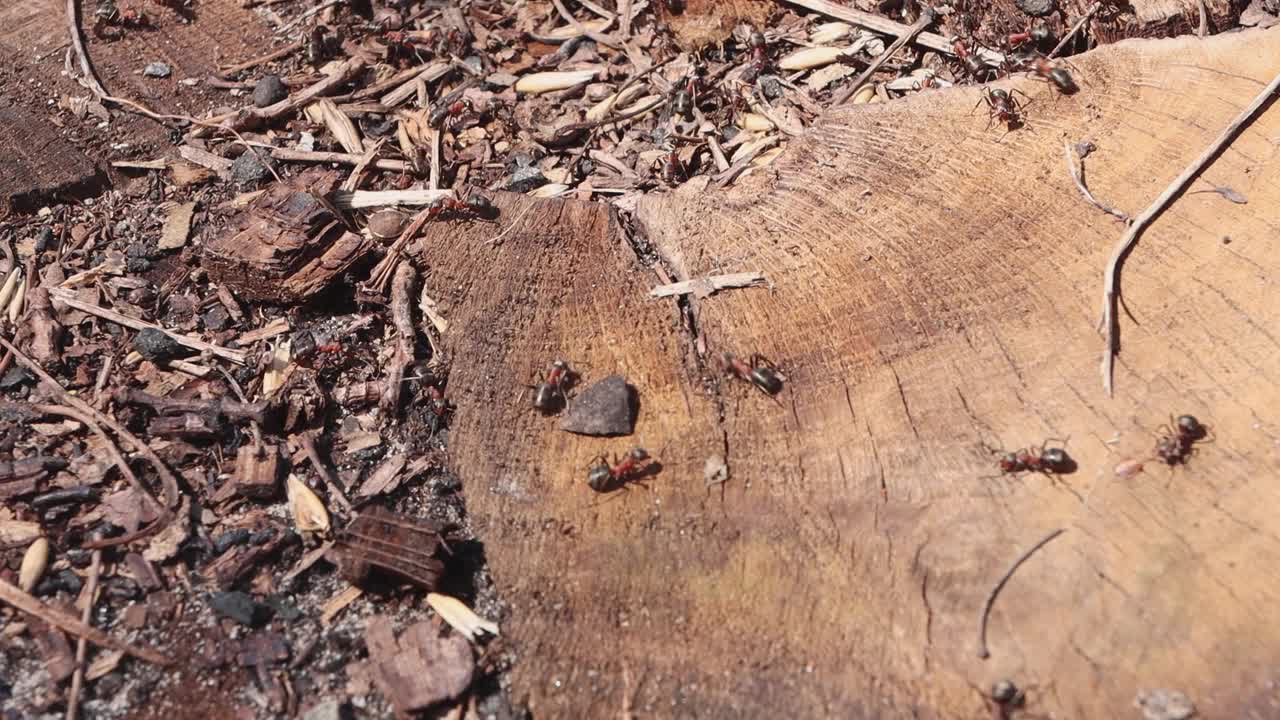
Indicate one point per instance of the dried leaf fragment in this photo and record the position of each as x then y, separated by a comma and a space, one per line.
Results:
309, 513
18, 532
34, 563
10, 284
542, 82
460, 617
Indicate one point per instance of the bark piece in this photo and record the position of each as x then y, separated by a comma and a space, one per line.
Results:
258, 471
406, 547
422, 667
290, 245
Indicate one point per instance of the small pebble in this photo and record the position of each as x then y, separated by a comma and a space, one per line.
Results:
239, 607
250, 169
157, 70
1036, 8
524, 179
269, 91
156, 346
1166, 705
216, 318
608, 407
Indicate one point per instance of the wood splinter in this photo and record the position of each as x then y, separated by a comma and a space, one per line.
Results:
705, 286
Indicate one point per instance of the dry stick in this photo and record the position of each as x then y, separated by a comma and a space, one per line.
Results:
73, 22
82, 645
111, 448
1203, 30
886, 26
926, 19
290, 155
330, 480
1111, 279
69, 299
402, 318
577, 25
273, 55
991, 598
1093, 9
172, 494
15, 596
1079, 180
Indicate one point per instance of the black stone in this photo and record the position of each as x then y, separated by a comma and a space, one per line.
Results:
1036, 8
250, 169
239, 607
227, 539
46, 240
156, 346
608, 407
15, 376
771, 86
524, 179
216, 318
269, 91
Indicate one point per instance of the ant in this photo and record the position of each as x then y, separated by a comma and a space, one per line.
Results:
438, 407
1003, 106
603, 476
1176, 441
445, 112
973, 64
1036, 459
549, 396
759, 56
1045, 70
1039, 36
758, 371
476, 207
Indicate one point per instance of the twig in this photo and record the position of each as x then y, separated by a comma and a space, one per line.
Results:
73, 23
1203, 30
290, 155
577, 25
402, 318
330, 480
1078, 177
1111, 279
172, 493
312, 11
111, 449
82, 645
69, 299
513, 224
706, 285
356, 199
14, 595
273, 55
991, 597
1093, 9
885, 26
927, 17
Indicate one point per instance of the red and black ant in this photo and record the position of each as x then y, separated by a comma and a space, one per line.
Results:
1003, 106
758, 371
549, 396
476, 207
1036, 459
759, 56
438, 407
605, 476
1177, 441
1045, 70
1039, 36
973, 64
448, 111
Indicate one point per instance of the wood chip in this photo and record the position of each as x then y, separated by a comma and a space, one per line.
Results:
460, 617
309, 512
338, 603
422, 667
177, 226
702, 287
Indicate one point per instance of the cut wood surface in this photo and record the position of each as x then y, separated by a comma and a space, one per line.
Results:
935, 287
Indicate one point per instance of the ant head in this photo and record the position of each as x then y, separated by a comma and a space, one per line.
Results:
755, 39
639, 454
1009, 462
1041, 33
1189, 425
559, 365
1006, 693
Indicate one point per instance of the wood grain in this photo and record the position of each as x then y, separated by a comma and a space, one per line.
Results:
935, 288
